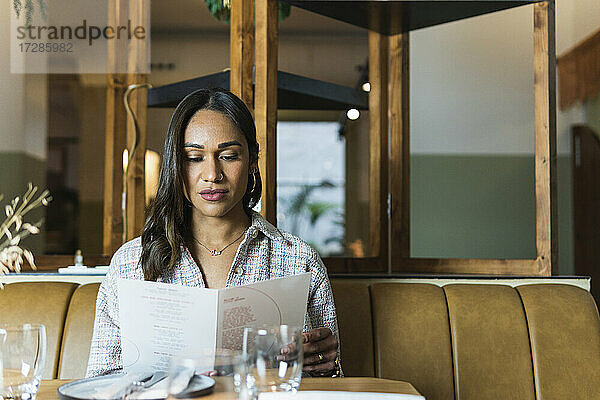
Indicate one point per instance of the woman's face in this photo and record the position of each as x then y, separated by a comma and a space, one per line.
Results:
216, 164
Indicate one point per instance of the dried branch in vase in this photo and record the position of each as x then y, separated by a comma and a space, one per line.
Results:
14, 229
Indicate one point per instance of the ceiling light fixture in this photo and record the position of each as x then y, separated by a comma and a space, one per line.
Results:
353, 114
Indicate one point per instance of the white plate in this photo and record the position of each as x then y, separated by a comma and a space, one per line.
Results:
107, 387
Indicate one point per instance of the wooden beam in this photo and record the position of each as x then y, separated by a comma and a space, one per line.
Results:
469, 266
265, 103
113, 163
342, 265
399, 95
120, 131
378, 145
545, 135
136, 171
137, 61
241, 42
450, 266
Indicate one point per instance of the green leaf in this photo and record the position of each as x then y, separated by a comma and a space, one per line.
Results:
18, 7
221, 10
284, 10
28, 12
318, 209
43, 9
218, 10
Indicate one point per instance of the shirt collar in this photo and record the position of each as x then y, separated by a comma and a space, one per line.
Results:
259, 224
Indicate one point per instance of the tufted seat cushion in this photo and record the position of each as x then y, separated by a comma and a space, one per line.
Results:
564, 331
355, 326
412, 337
39, 303
77, 337
467, 342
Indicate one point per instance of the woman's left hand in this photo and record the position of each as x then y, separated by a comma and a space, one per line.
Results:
320, 351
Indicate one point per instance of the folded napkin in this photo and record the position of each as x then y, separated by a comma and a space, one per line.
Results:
332, 395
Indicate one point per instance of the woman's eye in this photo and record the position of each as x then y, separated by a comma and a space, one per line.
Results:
193, 159
229, 157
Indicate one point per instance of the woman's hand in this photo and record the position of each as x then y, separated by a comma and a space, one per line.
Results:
320, 351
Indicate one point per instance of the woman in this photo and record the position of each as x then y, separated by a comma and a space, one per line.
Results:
201, 230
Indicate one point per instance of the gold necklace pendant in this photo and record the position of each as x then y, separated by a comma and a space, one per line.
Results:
215, 253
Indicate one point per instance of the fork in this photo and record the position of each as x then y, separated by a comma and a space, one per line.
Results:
138, 385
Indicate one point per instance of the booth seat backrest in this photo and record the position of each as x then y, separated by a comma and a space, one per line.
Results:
39, 303
78, 330
459, 341
482, 342
353, 303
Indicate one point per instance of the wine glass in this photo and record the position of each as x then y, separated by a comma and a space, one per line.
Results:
271, 360
22, 358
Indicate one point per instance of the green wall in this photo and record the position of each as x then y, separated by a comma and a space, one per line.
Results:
468, 206
16, 170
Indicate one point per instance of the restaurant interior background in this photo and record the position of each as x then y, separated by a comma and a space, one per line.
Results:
472, 165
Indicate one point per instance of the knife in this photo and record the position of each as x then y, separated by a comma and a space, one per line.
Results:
157, 377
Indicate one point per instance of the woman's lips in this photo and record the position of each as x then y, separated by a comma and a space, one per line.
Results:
213, 195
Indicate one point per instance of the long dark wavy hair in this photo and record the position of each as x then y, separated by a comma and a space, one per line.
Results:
168, 221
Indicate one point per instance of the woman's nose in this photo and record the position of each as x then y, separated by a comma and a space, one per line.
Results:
212, 172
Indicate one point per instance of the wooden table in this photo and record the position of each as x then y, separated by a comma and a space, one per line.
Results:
224, 387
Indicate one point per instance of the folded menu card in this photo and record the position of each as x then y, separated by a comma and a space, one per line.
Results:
159, 320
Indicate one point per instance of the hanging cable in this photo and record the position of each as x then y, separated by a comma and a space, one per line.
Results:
130, 154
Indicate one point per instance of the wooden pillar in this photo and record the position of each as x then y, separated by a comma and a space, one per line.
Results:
120, 131
399, 97
113, 163
265, 103
378, 146
136, 172
545, 135
241, 42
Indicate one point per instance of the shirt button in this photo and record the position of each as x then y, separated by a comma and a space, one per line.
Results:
239, 271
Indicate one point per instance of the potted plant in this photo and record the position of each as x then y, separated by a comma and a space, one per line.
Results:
14, 229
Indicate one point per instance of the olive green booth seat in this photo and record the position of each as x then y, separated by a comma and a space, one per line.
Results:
472, 341
452, 342
77, 337
39, 303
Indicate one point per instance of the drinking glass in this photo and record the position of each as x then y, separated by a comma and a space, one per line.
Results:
271, 360
22, 358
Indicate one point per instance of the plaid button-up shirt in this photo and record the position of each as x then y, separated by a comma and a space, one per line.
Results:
264, 253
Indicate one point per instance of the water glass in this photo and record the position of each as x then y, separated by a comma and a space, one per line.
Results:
271, 360
22, 358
